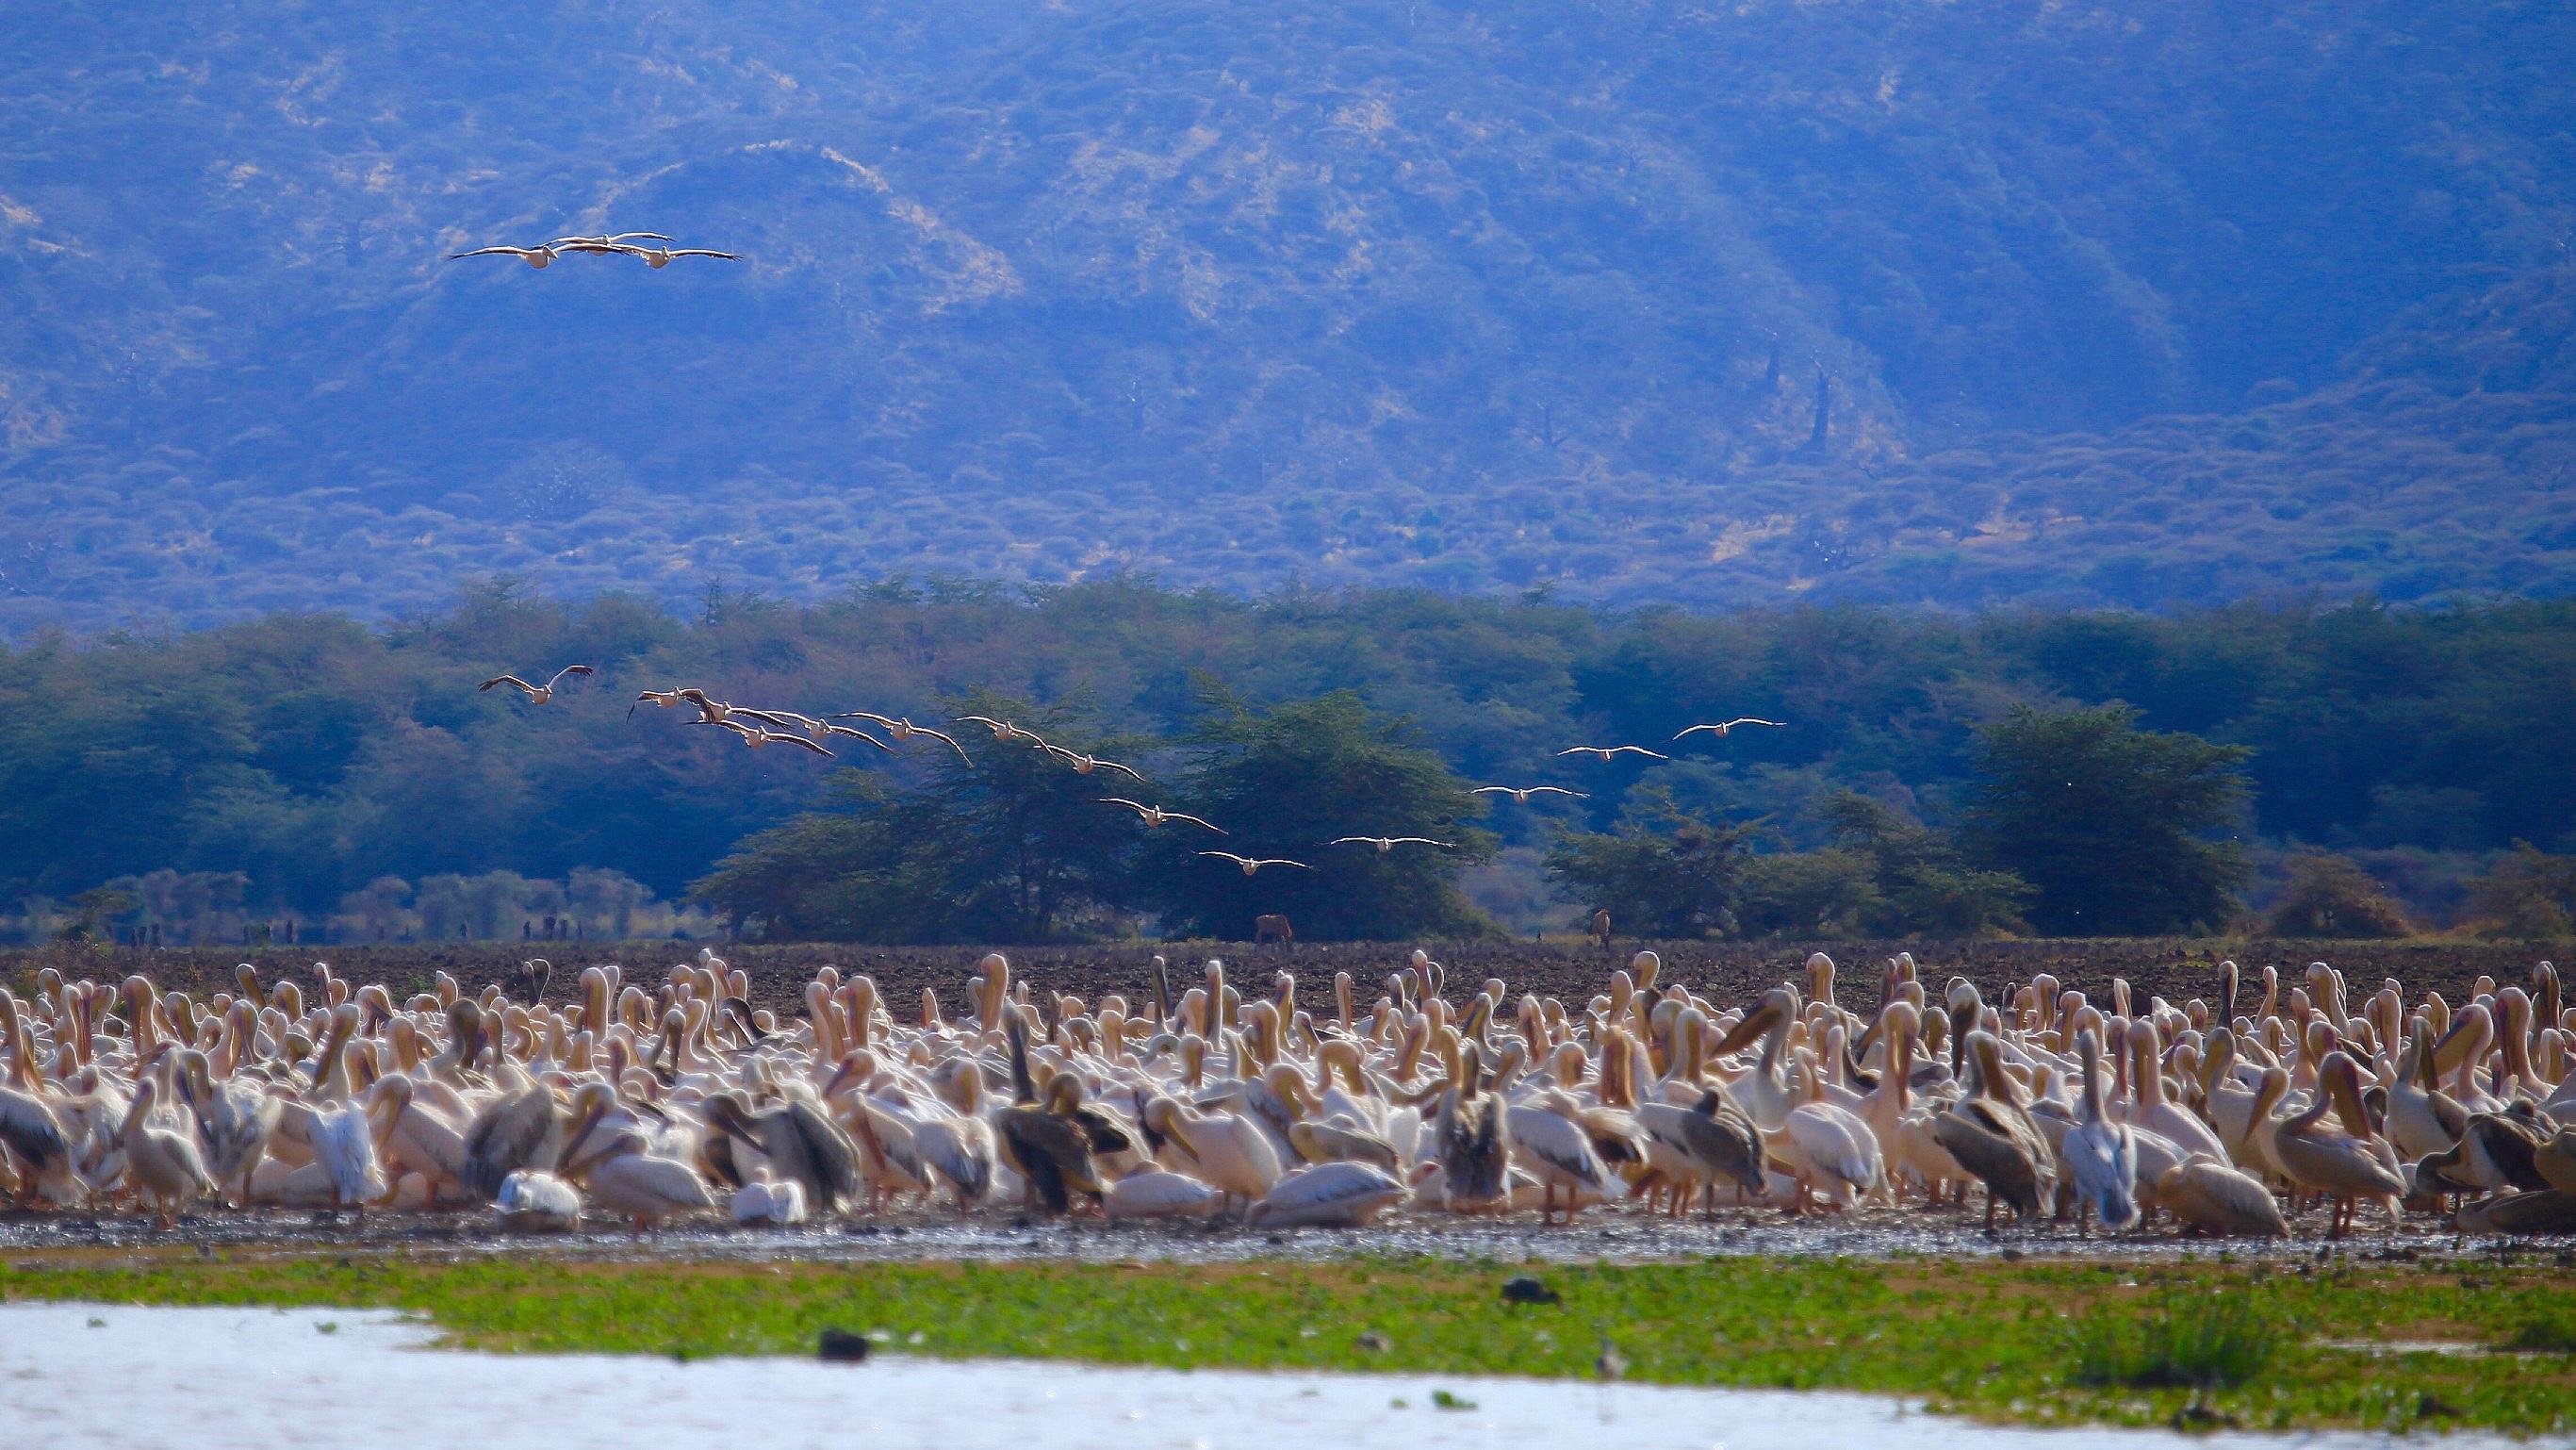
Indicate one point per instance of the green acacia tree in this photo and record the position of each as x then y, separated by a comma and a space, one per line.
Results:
2111, 825
1285, 782
1664, 872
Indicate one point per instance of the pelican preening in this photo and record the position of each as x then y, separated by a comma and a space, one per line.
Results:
538, 694
646, 1103
1251, 865
1156, 815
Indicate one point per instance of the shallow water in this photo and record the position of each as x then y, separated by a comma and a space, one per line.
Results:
78, 1376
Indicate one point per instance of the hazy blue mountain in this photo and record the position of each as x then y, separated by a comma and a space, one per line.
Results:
1961, 303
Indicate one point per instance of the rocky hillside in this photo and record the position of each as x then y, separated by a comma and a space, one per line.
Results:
2140, 303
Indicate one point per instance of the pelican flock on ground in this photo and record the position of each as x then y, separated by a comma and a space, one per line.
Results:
646, 1101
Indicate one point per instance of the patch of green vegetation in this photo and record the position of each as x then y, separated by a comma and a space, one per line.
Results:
2550, 1329
2049, 1343
2217, 1343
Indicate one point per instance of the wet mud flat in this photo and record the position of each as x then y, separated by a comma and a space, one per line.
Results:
30, 1240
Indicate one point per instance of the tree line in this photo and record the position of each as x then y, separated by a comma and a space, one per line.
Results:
311, 756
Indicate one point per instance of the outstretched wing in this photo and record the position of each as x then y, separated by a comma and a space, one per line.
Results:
807, 741
569, 670
507, 680
1193, 820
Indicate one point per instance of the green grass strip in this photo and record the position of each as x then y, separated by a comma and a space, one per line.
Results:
2262, 1346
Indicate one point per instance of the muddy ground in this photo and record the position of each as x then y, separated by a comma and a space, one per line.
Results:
1728, 972
1618, 1234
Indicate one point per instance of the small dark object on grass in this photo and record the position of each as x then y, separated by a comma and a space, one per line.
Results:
840, 1346
1447, 1401
2430, 1406
2013, 1256
1373, 1342
2201, 1416
1523, 1289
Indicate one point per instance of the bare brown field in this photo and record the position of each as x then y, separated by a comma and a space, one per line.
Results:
1725, 971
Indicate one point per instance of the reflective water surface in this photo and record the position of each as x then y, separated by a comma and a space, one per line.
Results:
79, 1376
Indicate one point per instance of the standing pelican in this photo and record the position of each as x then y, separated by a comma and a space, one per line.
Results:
2101, 1155
2326, 1160
167, 1171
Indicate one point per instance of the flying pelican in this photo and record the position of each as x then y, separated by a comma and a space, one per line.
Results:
1156, 815
605, 243
757, 736
902, 728
1005, 730
1385, 844
819, 731
659, 257
1524, 792
664, 698
1605, 753
537, 257
539, 694
1728, 728
1086, 764
1251, 864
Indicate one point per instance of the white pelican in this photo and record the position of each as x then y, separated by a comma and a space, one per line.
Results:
1606, 753
902, 729
1726, 728
167, 1171
2101, 1156
1521, 794
537, 257
1252, 864
1328, 1195
538, 694
1085, 764
1155, 815
1160, 1193
535, 1202
768, 1200
1386, 844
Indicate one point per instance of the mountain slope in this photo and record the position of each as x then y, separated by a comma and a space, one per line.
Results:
1961, 303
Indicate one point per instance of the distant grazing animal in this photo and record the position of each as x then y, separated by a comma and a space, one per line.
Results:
1385, 844
1728, 728
539, 694
1523, 793
1252, 864
1272, 926
537, 257
1606, 752
1601, 928
1155, 815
